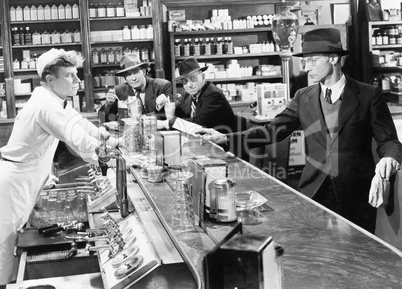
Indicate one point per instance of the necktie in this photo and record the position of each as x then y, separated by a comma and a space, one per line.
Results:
65, 103
328, 93
140, 101
193, 104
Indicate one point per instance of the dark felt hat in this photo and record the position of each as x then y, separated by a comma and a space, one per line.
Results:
323, 40
129, 62
188, 66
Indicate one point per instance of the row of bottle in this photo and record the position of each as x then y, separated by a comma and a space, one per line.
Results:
54, 12
388, 36
116, 10
24, 36
138, 32
112, 56
25, 63
201, 47
389, 83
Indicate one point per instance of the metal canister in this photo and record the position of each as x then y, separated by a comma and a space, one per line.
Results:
225, 200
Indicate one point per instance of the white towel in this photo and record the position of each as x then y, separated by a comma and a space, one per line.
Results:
379, 192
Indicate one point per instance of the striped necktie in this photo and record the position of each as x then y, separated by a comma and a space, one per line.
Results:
328, 93
138, 92
193, 105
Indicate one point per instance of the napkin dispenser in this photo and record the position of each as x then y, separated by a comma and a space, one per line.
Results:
244, 261
205, 172
168, 148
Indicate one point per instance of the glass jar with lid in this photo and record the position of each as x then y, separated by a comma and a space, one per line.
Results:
93, 10
110, 10
120, 10
95, 57
101, 10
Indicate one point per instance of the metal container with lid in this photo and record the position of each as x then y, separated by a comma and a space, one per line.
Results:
225, 200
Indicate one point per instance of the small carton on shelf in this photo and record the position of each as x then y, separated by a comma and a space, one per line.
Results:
177, 15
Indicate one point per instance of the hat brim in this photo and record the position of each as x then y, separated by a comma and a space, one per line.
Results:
339, 52
192, 71
144, 65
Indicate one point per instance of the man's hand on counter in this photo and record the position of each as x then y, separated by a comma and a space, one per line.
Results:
210, 134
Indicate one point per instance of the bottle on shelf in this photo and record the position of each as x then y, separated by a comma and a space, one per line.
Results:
61, 11
16, 36
46, 37
19, 14
120, 10
111, 56
16, 64
93, 10
177, 46
22, 36
207, 46
197, 47
34, 13
135, 32
186, 45
77, 36
27, 13
126, 33
230, 45
219, 46
13, 16
76, 11
103, 56
110, 10
144, 54
41, 13
24, 64
143, 32
213, 46
150, 32
95, 57
202, 46
191, 48
117, 55
48, 13
68, 11
54, 12
28, 36
101, 10
36, 38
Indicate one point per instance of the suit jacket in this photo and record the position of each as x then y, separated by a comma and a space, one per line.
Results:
212, 109
347, 157
153, 88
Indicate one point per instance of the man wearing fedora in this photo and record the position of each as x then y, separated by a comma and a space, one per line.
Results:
340, 117
202, 102
153, 92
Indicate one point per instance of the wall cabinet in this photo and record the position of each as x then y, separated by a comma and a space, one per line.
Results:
385, 46
243, 63
93, 32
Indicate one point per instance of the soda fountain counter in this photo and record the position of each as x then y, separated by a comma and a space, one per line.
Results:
322, 249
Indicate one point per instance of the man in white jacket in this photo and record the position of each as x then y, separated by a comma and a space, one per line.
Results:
27, 157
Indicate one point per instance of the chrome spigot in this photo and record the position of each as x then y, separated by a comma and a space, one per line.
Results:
105, 153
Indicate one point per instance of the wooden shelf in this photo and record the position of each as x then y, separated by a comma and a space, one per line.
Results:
114, 65
45, 21
387, 68
46, 45
121, 41
244, 79
220, 56
387, 46
226, 31
25, 70
120, 18
385, 23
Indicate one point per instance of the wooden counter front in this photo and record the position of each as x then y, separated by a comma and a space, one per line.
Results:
322, 249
